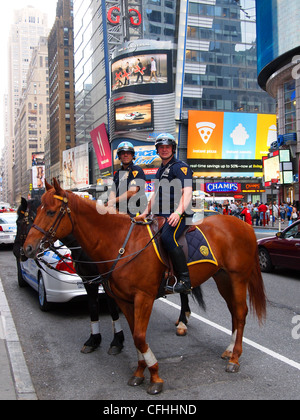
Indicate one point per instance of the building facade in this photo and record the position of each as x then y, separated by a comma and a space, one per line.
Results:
205, 57
32, 123
61, 88
278, 49
29, 25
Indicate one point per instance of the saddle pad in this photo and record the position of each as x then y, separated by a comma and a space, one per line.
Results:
199, 249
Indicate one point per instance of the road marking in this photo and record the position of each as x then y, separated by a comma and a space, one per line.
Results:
245, 340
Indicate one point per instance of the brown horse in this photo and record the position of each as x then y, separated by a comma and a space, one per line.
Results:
135, 279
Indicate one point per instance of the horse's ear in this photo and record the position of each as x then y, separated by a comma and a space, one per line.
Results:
23, 204
57, 186
48, 186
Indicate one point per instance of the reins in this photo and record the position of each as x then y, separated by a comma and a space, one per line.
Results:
104, 277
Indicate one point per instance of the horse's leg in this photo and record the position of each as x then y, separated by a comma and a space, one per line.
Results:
95, 338
142, 311
116, 345
240, 311
233, 288
138, 376
184, 315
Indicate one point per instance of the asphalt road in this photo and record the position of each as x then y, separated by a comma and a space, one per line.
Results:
191, 366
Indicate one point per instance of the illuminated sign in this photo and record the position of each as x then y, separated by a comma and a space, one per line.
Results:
223, 187
225, 142
114, 16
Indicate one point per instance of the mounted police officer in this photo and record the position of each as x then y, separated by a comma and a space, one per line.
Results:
172, 200
129, 181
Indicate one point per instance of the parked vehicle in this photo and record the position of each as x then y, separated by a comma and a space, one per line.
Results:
53, 278
8, 228
282, 250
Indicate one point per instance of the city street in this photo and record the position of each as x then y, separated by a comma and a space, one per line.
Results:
191, 366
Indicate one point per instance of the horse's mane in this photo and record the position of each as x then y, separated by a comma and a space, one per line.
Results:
49, 200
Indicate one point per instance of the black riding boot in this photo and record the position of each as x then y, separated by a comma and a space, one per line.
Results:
183, 284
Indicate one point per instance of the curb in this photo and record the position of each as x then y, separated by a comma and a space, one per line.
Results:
21, 377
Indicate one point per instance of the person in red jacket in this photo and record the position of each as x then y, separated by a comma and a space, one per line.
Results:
262, 210
247, 214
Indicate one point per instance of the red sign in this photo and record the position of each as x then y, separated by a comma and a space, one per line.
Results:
101, 146
114, 16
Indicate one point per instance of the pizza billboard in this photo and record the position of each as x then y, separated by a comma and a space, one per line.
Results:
221, 143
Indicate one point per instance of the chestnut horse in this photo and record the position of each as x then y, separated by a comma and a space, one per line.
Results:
135, 277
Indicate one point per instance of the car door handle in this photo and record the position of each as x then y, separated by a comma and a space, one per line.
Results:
297, 244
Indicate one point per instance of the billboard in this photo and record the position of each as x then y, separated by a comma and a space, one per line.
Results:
101, 146
134, 116
229, 142
76, 167
143, 72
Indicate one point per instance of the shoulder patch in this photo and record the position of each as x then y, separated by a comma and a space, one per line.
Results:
134, 173
184, 170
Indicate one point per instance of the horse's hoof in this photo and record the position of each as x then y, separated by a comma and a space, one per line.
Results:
135, 381
181, 329
155, 388
87, 349
232, 367
92, 344
114, 350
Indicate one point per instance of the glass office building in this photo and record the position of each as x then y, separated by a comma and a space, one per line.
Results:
278, 52
214, 60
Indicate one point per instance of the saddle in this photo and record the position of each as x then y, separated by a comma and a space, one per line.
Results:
193, 241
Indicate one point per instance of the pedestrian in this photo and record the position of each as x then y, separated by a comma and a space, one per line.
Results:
256, 214
289, 211
262, 212
174, 204
294, 215
246, 213
128, 181
282, 212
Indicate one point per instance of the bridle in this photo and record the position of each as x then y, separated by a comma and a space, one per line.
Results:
49, 236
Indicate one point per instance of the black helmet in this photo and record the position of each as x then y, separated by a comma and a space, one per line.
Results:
165, 139
125, 146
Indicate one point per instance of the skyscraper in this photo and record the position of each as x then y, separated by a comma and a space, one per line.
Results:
28, 26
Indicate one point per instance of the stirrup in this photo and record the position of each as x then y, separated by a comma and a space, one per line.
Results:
172, 288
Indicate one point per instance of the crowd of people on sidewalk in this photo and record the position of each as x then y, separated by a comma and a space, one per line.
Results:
259, 214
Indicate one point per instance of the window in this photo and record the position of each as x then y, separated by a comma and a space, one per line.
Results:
290, 107
66, 62
67, 74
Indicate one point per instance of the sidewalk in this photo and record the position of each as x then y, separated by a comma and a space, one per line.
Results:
15, 381
277, 226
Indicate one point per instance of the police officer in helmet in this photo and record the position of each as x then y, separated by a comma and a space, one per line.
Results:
173, 203
128, 181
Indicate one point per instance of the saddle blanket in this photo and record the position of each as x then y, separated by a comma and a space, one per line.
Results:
195, 245
198, 248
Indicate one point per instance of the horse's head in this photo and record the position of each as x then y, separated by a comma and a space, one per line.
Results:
53, 221
26, 215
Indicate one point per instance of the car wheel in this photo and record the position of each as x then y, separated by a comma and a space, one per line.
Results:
265, 260
21, 281
44, 304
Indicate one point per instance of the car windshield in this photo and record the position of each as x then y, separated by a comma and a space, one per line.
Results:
294, 232
8, 219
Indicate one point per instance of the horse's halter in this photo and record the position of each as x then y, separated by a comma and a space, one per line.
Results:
51, 233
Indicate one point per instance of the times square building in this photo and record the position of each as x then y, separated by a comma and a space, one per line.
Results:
204, 90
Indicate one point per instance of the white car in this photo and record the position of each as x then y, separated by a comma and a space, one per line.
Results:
8, 228
56, 281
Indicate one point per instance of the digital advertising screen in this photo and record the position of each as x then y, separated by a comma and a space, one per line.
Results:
145, 73
229, 142
134, 116
271, 169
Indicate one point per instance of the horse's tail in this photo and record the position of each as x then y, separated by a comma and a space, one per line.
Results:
257, 296
198, 296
